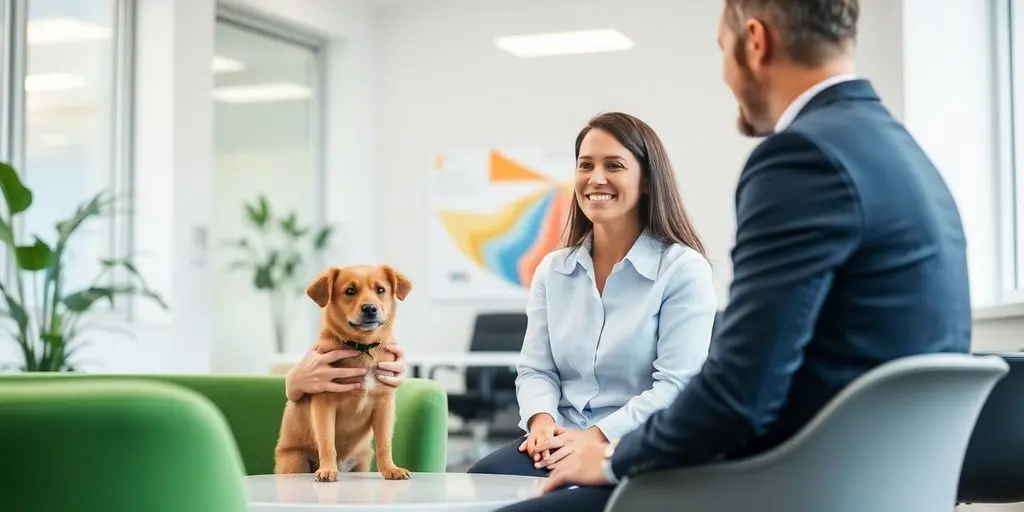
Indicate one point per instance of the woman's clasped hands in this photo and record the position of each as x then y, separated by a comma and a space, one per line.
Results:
548, 444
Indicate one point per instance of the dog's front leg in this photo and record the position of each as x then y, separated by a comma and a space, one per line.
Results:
383, 429
324, 414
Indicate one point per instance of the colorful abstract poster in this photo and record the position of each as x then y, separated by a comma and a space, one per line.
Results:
496, 214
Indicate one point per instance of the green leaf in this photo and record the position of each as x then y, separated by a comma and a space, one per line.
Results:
17, 195
290, 226
143, 291
17, 313
6, 233
259, 213
263, 279
37, 256
15, 310
91, 208
82, 300
57, 358
323, 237
290, 265
128, 265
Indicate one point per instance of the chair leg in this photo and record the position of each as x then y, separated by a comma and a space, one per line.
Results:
478, 431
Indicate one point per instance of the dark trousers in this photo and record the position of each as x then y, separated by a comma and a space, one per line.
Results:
508, 460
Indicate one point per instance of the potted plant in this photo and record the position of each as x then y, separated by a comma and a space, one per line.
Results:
48, 330
276, 256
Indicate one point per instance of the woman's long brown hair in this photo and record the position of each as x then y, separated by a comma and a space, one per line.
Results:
661, 209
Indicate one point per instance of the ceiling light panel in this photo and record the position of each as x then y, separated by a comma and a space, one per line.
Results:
564, 43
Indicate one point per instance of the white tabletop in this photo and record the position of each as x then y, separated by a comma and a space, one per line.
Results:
363, 492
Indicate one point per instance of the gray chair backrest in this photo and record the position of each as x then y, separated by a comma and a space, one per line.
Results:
893, 440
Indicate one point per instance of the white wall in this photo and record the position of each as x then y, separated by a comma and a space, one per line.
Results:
444, 85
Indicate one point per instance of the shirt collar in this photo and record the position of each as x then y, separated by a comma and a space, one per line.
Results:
644, 256
801, 101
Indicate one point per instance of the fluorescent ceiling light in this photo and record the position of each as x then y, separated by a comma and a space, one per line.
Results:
222, 64
564, 43
261, 93
53, 82
64, 30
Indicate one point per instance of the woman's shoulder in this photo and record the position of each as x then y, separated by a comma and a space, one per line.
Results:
557, 259
680, 260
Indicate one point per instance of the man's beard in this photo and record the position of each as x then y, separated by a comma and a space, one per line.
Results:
753, 119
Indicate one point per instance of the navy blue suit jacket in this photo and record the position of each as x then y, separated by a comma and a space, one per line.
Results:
849, 253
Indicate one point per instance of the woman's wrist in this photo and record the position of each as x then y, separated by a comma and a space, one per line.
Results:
597, 434
540, 419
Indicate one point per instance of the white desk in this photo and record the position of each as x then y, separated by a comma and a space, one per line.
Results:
366, 492
422, 361
420, 364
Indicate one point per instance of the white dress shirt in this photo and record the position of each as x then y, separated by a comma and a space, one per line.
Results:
801, 101
613, 359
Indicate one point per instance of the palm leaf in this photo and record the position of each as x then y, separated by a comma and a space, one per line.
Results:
17, 196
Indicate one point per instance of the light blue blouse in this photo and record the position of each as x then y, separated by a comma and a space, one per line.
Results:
614, 360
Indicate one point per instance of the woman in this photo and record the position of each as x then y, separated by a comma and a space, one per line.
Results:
630, 292
314, 373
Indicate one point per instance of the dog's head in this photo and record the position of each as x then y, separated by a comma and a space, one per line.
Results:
359, 298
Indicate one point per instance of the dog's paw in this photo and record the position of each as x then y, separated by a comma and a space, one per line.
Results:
395, 473
326, 475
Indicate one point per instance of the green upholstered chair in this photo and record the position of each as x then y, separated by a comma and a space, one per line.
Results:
253, 405
115, 446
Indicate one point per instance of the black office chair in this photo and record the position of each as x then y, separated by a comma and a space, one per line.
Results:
994, 463
489, 390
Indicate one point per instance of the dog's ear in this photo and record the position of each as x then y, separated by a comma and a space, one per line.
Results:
321, 288
399, 283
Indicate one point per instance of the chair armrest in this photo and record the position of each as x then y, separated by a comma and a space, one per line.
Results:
775, 480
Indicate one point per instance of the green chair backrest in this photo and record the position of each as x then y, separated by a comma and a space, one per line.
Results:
114, 446
252, 406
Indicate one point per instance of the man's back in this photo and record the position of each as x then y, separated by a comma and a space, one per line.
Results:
849, 253
903, 288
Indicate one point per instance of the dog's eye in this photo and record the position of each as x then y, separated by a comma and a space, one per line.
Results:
350, 291
380, 290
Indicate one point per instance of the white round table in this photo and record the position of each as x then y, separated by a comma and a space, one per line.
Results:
365, 492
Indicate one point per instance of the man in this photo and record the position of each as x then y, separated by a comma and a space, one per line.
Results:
849, 253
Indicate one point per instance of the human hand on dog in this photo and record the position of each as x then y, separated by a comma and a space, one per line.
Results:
392, 373
314, 374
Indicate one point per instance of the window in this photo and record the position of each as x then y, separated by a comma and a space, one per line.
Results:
67, 120
1011, 184
267, 142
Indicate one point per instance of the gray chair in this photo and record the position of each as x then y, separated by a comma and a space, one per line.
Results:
892, 441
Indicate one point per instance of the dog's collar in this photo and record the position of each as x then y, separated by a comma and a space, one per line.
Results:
362, 347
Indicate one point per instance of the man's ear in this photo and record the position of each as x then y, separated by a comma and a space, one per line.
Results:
320, 289
399, 283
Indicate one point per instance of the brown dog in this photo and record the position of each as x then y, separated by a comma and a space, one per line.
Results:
358, 309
